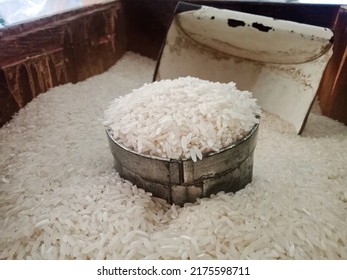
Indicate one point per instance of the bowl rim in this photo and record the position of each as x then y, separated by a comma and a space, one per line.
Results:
231, 146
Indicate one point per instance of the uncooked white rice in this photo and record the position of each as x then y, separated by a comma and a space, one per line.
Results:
182, 118
60, 197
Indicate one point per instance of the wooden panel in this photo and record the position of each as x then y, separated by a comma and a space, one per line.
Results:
333, 89
72, 46
63, 48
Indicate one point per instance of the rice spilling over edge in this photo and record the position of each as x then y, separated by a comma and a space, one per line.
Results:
182, 118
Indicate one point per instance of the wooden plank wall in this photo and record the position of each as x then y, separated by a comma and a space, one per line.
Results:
75, 45
51, 51
333, 88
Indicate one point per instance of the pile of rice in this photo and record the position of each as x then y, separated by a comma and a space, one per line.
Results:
182, 118
60, 197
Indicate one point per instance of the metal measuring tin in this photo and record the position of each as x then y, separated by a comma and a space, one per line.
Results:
182, 180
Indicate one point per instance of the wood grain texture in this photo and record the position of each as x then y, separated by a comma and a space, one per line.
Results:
75, 45
333, 88
69, 47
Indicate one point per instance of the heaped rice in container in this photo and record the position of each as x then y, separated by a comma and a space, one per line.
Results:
61, 199
182, 118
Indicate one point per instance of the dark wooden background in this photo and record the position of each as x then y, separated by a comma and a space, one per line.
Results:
51, 51
72, 46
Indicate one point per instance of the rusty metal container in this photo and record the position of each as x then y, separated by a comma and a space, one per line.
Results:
181, 181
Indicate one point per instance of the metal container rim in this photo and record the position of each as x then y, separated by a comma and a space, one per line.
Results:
232, 146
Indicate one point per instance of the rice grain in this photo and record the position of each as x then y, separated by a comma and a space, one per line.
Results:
91, 206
